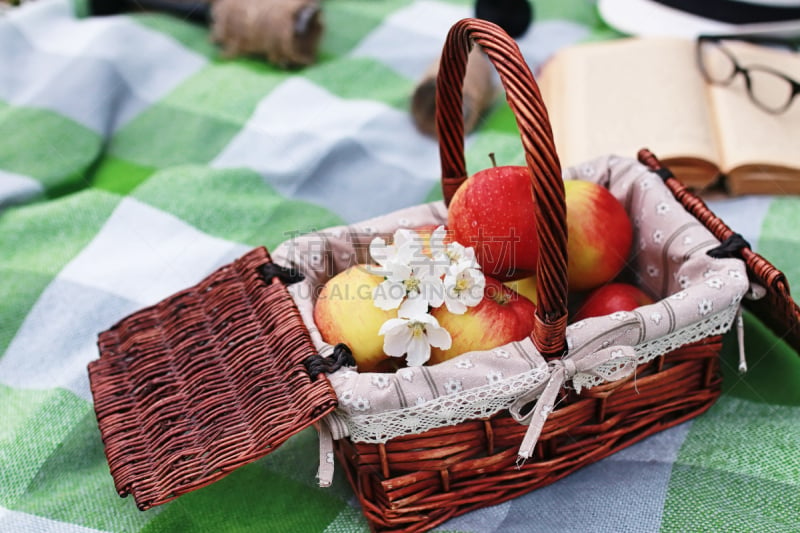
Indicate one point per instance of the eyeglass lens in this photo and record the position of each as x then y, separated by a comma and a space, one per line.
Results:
767, 88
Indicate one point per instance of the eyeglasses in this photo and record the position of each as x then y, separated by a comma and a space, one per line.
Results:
769, 89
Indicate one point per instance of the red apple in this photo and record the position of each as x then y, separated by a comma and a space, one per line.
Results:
493, 211
600, 234
502, 316
612, 298
345, 312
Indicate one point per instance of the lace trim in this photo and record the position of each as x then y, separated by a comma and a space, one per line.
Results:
476, 403
649, 350
485, 401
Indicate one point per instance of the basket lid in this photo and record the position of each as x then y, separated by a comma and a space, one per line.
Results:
207, 380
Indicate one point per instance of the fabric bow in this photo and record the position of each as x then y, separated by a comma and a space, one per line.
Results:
608, 364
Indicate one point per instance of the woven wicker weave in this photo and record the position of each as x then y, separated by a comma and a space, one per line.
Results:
422, 480
205, 381
215, 377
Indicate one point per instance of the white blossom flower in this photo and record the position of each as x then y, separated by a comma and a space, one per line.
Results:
653, 271
683, 281
662, 208
656, 318
401, 251
687, 240
645, 184
451, 253
679, 295
420, 400
413, 333
715, 283
464, 364
408, 271
463, 287
618, 315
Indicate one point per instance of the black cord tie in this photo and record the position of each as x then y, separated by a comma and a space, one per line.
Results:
664, 173
342, 356
731, 247
286, 275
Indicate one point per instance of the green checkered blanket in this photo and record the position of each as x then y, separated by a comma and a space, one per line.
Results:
134, 160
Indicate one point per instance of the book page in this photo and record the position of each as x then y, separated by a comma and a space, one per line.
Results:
618, 97
749, 135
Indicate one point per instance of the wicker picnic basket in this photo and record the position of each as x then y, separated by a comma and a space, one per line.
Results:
222, 373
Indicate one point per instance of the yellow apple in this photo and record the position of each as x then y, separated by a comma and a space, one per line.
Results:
502, 316
525, 287
345, 312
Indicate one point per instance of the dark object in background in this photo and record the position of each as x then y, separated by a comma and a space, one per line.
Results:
513, 16
287, 32
194, 11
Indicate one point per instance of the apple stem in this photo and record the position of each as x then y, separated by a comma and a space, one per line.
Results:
491, 157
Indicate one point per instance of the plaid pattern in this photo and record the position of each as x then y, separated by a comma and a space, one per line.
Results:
134, 160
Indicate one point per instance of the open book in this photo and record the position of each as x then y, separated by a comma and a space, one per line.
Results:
619, 96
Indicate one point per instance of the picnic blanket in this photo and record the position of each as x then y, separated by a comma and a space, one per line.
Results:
135, 159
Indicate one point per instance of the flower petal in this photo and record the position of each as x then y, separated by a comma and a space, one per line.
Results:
397, 271
414, 308
388, 295
396, 340
419, 351
439, 337
433, 291
392, 324
454, 305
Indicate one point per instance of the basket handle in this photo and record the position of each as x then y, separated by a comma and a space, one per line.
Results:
522, 94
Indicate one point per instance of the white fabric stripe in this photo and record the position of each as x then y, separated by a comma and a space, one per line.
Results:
20, 522
143, 254
429, 22
97, 71
330, 148
15, 188
140, 256
59, 338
